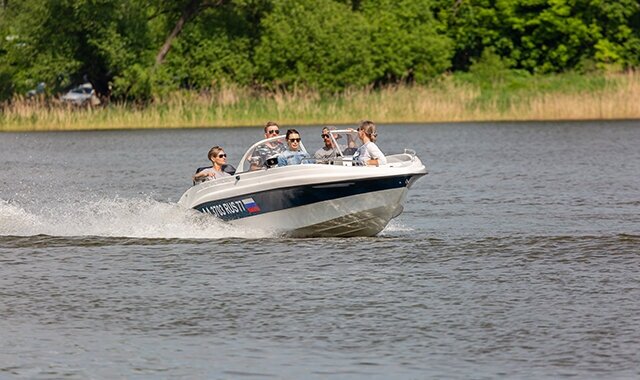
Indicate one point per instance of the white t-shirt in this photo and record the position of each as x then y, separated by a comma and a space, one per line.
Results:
370, 151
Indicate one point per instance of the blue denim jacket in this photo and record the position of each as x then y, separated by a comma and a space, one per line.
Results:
291, 158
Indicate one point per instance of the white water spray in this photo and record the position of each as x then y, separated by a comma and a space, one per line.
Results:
139, 218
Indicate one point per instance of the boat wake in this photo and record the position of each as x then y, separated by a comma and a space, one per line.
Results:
131, 218
394, 227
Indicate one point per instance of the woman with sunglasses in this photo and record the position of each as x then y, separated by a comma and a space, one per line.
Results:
218, 158
293, 155
369, 153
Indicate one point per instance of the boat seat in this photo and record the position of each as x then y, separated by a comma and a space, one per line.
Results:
225, 168
349, 151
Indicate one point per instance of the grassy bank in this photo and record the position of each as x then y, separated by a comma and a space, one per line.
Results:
454, 98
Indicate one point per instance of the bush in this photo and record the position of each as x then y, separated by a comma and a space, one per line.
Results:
318, 44
405, 43
134, 84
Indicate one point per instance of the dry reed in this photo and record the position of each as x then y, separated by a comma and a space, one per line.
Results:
234, 106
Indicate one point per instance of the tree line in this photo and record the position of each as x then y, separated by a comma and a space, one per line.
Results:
134, 50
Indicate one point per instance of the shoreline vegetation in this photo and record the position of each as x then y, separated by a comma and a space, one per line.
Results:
454, 98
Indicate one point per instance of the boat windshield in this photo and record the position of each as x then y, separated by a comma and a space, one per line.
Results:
264, 154
345, 141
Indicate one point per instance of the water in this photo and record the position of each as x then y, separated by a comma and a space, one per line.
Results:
515, 257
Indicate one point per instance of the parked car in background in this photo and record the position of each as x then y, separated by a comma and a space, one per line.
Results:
82, 95
39, 90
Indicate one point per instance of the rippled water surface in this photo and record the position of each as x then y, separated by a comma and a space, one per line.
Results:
517, 256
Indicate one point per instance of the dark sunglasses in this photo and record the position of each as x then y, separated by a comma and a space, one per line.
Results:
324, 136
222, 155
294, 140
273, 132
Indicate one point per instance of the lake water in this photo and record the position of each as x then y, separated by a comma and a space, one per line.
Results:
517, 256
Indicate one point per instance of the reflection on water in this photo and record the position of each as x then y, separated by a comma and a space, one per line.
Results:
515, 257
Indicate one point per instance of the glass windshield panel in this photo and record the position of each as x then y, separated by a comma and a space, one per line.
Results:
258, 157
347, 142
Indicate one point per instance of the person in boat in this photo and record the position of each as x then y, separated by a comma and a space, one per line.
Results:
369, 153
268, 149
218, 158
329, 150
293, 155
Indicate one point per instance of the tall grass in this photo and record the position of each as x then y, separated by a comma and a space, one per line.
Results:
454, 98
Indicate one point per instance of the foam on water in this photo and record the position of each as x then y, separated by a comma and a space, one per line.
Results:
395, 226
138, 218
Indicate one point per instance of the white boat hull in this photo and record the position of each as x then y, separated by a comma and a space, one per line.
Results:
308, 200
357, 215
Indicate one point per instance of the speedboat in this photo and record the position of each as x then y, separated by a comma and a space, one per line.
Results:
337, 196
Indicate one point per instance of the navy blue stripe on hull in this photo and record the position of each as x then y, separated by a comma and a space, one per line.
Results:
296, 196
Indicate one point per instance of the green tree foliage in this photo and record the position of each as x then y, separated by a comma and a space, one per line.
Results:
140, 48
216, 47
7, 60
544, 35
320, 44
67, 41
134, 84
618, 23
23, 57
405, 40
334, 45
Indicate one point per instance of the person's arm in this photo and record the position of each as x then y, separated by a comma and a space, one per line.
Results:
204, 173
377, 157
258, 159
306, 158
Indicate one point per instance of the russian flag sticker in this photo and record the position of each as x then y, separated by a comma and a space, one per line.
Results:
251, 205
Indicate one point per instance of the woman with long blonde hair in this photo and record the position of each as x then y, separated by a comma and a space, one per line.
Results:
369, 153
